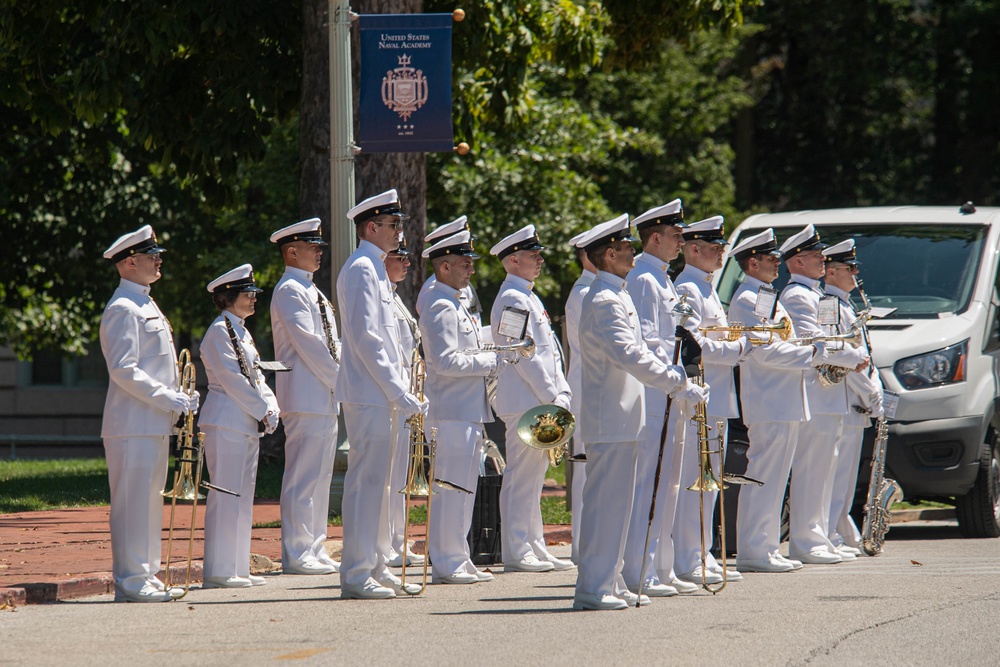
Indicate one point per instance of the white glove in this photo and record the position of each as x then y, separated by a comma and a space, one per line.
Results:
270, 422
674, 378
877, 409
562, 400
180, 402
691, 394
193, 402
409, 405
508, 357
845, 357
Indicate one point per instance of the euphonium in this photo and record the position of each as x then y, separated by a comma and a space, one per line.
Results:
782, 329
882, 493
188, 466
547, 427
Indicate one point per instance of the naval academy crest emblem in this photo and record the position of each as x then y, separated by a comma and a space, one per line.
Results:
404, 89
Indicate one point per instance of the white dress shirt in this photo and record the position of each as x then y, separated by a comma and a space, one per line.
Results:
372, 356
138, 346
300, 341
233, 402
538, 380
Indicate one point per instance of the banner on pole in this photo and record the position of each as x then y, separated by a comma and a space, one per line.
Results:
405, 99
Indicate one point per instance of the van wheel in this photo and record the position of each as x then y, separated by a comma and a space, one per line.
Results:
979, 510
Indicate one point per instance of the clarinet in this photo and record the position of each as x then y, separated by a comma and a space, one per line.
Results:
864, 329
331, 344
244, 367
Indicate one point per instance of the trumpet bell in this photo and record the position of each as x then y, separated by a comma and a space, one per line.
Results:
546, 427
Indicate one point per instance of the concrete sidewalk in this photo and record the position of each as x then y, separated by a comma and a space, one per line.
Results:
63, 554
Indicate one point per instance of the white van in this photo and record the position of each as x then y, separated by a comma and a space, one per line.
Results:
939, 350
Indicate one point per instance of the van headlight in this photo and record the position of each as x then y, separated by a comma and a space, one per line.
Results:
934, 368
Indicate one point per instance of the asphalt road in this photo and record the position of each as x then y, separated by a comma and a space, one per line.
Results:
931, 599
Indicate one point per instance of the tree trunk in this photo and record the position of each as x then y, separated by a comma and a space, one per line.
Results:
406, 172
314, 125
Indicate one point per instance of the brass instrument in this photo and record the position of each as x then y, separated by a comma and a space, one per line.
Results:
782, 329
547, 427
882, 493
188, 466
707, 482
830, 375
524, 348
423, 453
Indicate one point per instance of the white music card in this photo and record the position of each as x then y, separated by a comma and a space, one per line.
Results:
767, 302
513, 323
890, 401
829, 311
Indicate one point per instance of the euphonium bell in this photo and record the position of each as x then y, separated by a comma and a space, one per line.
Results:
548, 428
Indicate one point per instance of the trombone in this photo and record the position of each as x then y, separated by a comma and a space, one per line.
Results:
188, 466
423, 452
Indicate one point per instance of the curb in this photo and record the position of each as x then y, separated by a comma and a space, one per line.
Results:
78, 587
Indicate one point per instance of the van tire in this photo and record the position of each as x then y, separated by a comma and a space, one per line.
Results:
978, 511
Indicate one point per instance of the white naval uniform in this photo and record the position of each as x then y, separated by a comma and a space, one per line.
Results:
773, 397
719, 356
616, 366
368, 384
456, 390
520, 387
573, 304
229, 419
861, 388
309, 413
468, 297
815, 460
139, 350
401, 454
654, 297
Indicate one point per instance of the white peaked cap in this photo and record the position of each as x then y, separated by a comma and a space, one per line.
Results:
140, 242
668, 214
386, 203
457, 225
459, 244
523, 239
807, 239
618, 229
307, 230
240, 278
758, 244
709, 229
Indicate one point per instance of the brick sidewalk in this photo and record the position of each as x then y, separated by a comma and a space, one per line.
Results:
62, 554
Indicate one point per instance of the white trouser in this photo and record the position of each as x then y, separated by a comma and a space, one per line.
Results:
769, 459
813, 468
659, 557
842, 527
579, 480
366, 492
310, 448
459, 447
232, 464
688, 522
521, 528
397, 501
137, 473
607, 506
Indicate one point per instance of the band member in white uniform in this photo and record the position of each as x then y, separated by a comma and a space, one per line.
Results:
654, 297
814, 461
456, 389
616, 366
573, 304
370, 388
305, 337
397, 264
142, 405
238, 404
865, 398
469, 297
773, 397
520, 387
704, 249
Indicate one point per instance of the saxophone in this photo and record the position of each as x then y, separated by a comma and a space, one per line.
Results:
882, 493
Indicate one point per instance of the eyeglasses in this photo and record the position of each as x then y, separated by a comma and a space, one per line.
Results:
397, 224
851, 268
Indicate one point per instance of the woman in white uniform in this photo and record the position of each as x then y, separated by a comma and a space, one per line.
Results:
239, 409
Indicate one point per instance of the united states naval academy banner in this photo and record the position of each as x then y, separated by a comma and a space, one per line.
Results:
405, 100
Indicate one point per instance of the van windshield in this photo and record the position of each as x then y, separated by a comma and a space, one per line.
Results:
923, 271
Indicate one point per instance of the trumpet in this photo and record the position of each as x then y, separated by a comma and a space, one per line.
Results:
525, 348
782, 329
188, 466
854, 337
547, 427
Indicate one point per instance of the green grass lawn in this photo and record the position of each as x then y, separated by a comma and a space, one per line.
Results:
35, 485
